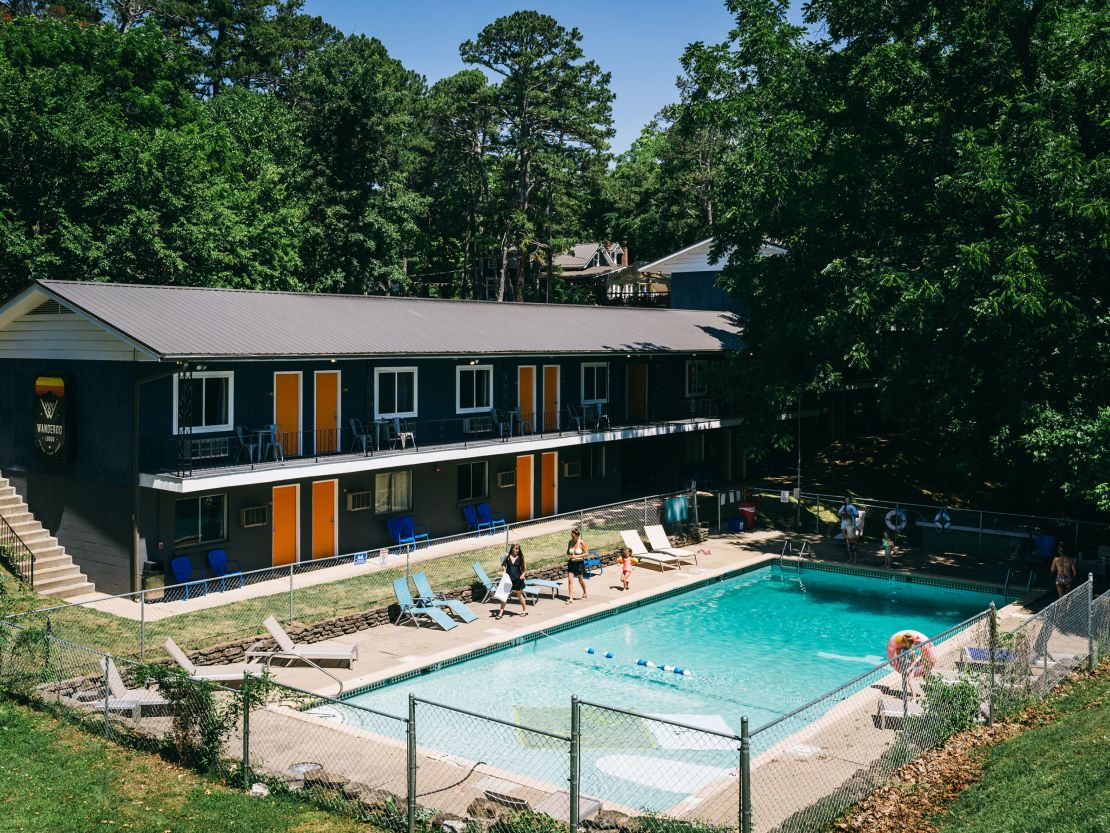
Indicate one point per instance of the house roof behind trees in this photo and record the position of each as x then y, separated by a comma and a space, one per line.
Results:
171, 322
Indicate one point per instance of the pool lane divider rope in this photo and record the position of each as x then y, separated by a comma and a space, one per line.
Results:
647, 663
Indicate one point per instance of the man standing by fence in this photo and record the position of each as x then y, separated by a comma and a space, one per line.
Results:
849, 517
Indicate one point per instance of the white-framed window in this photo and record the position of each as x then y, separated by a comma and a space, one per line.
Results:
595, 383
213, 405
697, 377
394, 392
199, 520
473, 481
392, 492
473, 388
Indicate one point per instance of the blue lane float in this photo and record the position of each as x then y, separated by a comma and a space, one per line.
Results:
647, 663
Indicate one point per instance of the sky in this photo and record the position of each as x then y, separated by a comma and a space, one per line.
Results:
638, 41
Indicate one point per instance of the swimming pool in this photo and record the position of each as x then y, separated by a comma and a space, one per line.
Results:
758, 644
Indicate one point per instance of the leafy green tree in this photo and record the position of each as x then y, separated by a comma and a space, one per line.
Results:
114, 171
555, 106
357, 106
938, 172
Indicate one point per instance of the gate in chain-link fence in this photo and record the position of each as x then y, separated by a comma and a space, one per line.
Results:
474, 766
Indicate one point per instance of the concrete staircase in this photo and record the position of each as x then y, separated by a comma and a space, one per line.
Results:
55, 573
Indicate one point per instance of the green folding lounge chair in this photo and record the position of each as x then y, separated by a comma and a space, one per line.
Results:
429, 598
411, 610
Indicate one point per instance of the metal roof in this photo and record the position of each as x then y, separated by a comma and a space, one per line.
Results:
183, 322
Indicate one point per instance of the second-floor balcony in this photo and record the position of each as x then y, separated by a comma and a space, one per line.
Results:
249, 448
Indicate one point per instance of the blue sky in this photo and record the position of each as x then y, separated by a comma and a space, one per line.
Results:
638, 41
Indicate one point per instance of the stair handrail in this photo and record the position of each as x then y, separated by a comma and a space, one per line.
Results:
17, 553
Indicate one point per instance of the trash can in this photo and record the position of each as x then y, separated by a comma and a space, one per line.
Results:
735, 524
747, 512
154, 580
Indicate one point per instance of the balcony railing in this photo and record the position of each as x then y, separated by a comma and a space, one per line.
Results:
247, 449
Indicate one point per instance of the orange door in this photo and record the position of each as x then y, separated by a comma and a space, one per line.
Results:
637, 392
551, 397
525, 488
549, 484
286, 537
526, 396
287, 412
327, 410
324, 530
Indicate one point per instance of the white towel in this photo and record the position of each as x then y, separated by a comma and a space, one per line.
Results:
504, 588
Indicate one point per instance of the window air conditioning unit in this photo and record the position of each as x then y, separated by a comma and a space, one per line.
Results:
251, 516
359, 501
506, 479
572, 469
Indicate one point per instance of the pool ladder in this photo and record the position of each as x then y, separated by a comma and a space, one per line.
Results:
796, 554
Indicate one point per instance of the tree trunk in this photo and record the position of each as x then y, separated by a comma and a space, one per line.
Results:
502, 266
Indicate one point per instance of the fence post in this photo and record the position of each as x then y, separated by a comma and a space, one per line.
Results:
720, 496
107, 692
575, 736
645, 511
290, 591
410, 740
980, 532
694, 502
1092, 645
745, 778
246, 768
817, 518
992, 653
142, 626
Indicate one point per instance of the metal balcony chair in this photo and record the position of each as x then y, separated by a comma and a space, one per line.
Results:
251, 443
574, 418
360, 438
398, 434
274, 445
598, 416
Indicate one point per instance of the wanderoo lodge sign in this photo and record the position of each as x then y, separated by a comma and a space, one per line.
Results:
51, 429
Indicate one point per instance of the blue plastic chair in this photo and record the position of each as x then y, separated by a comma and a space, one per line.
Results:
396, 531
217, 566
472, 520
593, 562
485, 514
183, 570
411, 529
1044, 545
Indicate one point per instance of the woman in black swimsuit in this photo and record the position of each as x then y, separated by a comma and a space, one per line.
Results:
514, 566
576, 563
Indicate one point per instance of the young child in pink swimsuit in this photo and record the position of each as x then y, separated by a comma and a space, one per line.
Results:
626, 567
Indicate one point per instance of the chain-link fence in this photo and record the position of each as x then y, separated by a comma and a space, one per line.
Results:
561, 767
318, 599
817, 761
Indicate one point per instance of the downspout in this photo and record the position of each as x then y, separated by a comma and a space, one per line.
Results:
136, 547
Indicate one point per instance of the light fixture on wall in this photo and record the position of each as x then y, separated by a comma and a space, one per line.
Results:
474, 361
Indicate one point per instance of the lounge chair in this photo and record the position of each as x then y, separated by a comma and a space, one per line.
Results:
633, 542
232, 672
976, 657
411, 610
491, 588
659, 542
426, 596
123, 699
287, 649
896, 710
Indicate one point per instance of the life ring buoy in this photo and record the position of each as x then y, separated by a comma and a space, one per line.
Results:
942, 519
917, 659
896, 520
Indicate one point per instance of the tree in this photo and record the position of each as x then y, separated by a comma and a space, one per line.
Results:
554, 105
938, 173
357, 106
114, 171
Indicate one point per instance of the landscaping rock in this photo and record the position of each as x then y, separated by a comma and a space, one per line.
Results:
482, 808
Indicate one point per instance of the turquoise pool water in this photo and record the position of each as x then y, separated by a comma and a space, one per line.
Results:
759, 644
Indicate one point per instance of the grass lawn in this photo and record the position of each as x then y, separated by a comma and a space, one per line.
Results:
1053, 778
55, 777
243, 619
